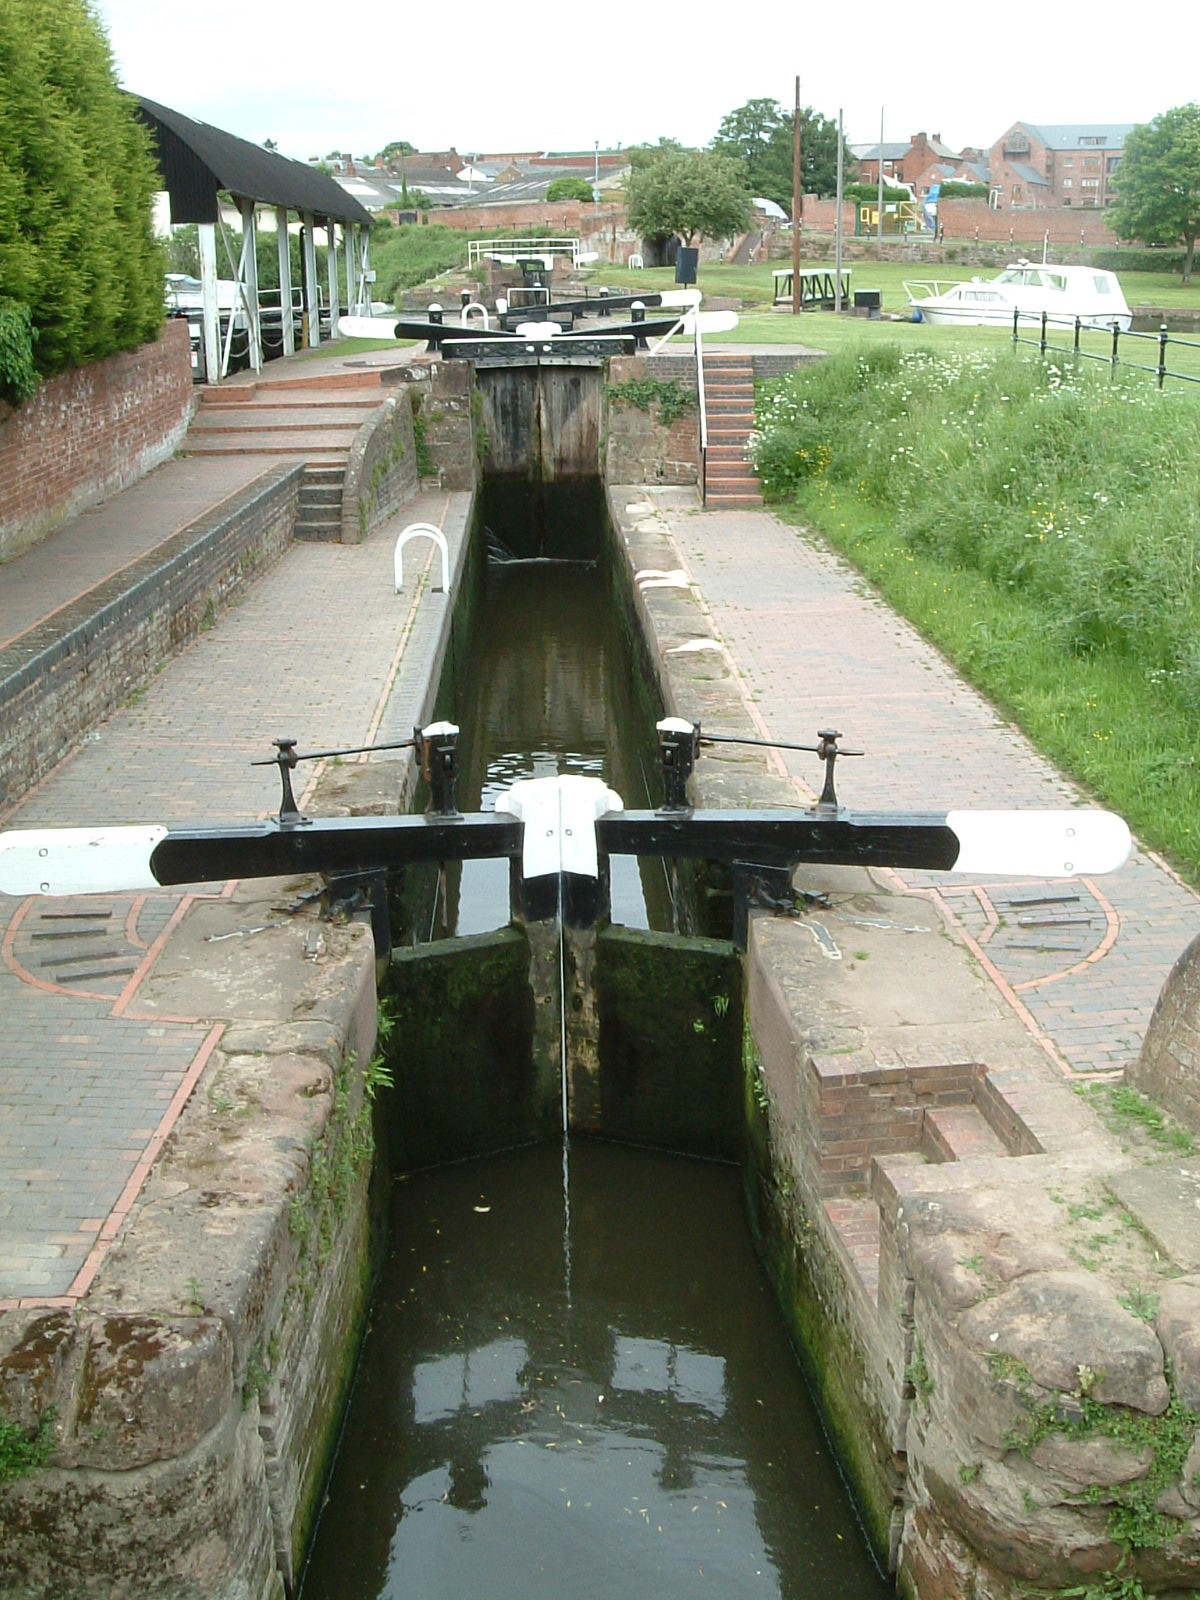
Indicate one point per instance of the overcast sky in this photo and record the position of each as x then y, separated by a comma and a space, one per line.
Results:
289, 72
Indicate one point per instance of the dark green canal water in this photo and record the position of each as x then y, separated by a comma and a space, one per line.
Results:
575, 1381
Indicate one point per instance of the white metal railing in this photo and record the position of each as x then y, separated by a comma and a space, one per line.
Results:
511, 249
689, 321
430, 532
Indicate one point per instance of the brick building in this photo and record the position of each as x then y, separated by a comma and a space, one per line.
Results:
1033, 165
922, 162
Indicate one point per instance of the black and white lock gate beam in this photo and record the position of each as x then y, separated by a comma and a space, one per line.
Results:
559, 827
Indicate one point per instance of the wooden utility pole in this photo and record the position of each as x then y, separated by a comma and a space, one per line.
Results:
797, 204
879, 213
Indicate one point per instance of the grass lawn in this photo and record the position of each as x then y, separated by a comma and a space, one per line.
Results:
341, 348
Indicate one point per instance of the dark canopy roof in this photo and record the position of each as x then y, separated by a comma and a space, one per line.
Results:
198, 161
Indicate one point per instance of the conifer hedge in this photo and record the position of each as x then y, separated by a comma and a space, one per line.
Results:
81, 274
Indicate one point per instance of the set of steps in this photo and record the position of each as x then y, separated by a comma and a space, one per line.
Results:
730, 480
319, 512
314, 425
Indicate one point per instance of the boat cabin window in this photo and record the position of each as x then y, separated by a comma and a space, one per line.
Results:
979, 294
1100, 284
1055, 281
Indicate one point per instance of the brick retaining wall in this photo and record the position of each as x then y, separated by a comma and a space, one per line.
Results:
381, 474
90, 432
73, 670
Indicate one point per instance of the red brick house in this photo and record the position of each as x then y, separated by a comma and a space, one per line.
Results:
1034, 165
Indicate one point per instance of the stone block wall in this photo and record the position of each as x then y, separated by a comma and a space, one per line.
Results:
68, 674
640, 446
88, 433
381, 474
449, 422
196, 1389
1168, 1065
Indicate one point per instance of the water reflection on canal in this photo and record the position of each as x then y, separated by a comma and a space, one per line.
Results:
580, 1386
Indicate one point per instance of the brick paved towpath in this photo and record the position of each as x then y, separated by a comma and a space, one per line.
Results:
90, 1084
1081, 962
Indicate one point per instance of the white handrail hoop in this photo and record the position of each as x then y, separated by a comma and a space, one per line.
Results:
430, 532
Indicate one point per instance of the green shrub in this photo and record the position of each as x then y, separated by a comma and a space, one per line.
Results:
1075, 489
414, 253
570, 189
76, 185
18, 375
1165, 260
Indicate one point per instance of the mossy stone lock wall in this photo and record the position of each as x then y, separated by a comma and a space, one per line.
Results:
669, 1050
461, 1052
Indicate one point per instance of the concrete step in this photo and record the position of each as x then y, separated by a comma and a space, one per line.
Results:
856, 1228
732, 502
957, 1133
315, 449
314, 496
318, 530
239, 419
287, 400
726, 452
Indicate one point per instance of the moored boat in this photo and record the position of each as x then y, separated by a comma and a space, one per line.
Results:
1026, 288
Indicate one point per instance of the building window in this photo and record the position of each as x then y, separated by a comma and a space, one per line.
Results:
1068, 183
1068, 161
1090, 183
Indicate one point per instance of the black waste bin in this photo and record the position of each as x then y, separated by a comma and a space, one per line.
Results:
686, 260
867, 303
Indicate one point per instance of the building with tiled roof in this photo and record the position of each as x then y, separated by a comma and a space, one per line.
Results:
1070, 164
921, 163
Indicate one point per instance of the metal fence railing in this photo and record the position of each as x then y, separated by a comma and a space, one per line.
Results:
1085, 332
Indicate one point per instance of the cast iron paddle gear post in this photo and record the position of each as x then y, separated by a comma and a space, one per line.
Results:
678, 741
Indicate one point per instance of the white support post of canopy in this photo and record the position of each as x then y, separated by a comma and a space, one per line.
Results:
350, 239
285, 281
209, 309
332, 264
248, 282
362, 305
312, 292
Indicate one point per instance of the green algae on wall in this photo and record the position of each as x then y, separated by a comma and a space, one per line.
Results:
670, 1011
461, 1051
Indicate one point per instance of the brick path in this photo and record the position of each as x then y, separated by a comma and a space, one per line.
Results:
323, 649
816, 649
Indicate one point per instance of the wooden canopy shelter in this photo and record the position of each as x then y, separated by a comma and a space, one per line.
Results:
199, 163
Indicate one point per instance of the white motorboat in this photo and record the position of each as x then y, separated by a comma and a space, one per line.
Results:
1028, 288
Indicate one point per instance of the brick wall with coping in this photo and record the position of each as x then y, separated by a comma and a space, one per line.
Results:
640, 447
73, 670
381, 472
88, 433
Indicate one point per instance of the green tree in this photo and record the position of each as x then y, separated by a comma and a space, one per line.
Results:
77, 180
694, 194
641, 155
1158, 183
569, 189
395, 150
760, 137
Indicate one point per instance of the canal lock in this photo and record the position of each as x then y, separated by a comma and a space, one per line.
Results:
684, 1403
492, 984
